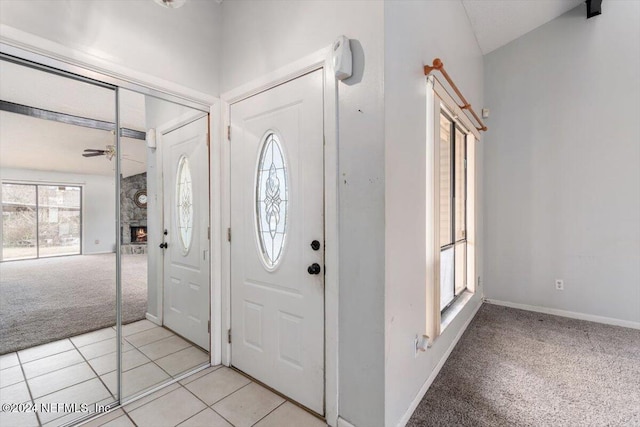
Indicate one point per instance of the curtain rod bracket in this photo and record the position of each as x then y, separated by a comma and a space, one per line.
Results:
438, 65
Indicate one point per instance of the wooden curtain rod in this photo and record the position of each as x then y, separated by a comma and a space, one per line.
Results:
438, 65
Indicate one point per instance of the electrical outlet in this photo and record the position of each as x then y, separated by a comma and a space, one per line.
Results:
559, 285
97, 242
479, 282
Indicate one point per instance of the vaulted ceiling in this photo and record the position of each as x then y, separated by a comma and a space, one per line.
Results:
498, 22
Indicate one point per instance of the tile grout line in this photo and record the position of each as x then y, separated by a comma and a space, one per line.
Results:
85, 360
159, 367
202, 374
199, 412
151, 342
270, 412
164, 388
82, 355
48, 355
211, 406
94, 371
126, 414
233, 392
194, 395
64, 388
166, 355
28, 388
55, 370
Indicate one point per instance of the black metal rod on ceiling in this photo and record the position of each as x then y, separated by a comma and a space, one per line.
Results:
594, 8
69, 119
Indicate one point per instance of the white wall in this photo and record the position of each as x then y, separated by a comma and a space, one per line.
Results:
260, 37
562, 165
177, 45
415, 34
98, 204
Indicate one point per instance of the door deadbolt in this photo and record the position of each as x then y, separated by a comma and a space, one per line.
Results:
164, 245
315, 245
314, 268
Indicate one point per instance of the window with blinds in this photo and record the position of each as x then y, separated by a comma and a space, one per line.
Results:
453, 215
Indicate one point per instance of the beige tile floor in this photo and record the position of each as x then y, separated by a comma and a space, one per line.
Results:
214, 397
82, 369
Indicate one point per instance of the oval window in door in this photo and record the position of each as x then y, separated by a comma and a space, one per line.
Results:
184, 203
271, 200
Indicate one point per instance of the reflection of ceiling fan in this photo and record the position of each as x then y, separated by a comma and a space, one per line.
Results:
109, 152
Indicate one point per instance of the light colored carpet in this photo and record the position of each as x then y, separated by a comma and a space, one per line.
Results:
518, 368
49, 299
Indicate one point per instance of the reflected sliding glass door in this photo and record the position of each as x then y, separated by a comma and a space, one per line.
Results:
40, 220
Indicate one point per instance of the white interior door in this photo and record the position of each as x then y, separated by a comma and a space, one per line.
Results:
186, 221
277, 245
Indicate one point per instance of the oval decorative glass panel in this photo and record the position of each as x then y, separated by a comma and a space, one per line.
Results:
184, 203
271, 200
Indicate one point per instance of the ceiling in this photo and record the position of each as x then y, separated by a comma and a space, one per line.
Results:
37, 144
498, 22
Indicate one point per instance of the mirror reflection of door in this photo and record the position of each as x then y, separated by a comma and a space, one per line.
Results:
58, 260
155, 348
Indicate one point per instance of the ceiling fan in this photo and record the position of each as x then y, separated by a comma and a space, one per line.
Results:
109, 152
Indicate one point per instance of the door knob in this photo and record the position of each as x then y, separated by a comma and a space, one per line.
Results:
164, 245
314, 268
315, 245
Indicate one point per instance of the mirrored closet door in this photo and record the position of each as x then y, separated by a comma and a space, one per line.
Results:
104, 267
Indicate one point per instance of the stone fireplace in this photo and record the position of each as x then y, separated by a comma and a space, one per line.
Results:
133, 218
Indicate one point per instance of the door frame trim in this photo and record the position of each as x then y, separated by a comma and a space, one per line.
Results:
320, 60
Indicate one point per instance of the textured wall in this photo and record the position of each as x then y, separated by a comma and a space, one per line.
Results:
562, 156
415, 34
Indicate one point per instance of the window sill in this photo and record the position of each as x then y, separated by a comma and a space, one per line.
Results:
451, 312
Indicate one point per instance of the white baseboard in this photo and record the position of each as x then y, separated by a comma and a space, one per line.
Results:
154, 319
570, 314
98, 253
343, 423
423, 390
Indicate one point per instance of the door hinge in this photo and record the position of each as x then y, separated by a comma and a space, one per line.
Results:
209, 233
209, 326
229, 336
208, 139
229, 132
229, 234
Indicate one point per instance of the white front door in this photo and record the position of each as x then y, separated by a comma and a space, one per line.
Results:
186, 223
277, 245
